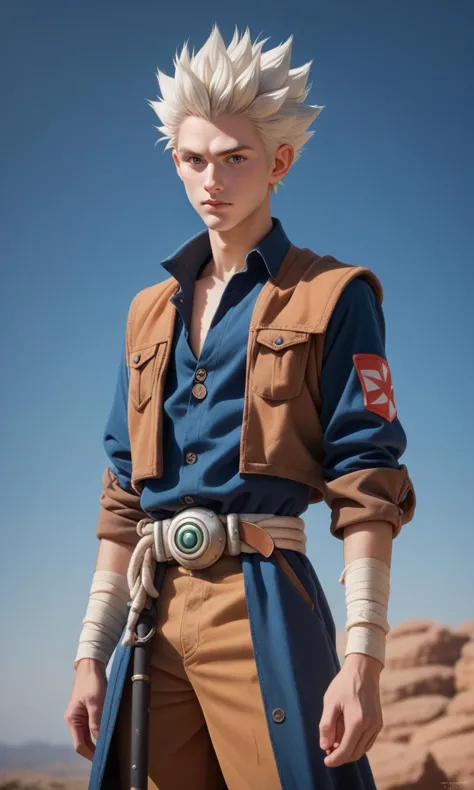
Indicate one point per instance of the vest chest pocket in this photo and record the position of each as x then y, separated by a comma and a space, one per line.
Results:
280, 362
144, 365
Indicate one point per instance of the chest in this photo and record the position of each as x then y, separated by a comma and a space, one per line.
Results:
265, 345
207, 296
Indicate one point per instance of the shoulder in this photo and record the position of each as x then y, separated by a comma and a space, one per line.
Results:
328, 275
359, 302
330, 289
357, 319
359, 294
152, 293
147, 320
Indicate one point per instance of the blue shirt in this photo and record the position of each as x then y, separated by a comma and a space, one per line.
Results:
354, 438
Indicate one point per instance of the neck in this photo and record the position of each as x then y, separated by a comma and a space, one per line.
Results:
230, 248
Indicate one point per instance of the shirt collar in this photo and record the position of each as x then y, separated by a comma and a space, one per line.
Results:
185, 262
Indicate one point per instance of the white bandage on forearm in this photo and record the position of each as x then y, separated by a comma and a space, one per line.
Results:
105, 618
367, 590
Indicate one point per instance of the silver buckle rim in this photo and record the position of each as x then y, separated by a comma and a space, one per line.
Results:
214, 537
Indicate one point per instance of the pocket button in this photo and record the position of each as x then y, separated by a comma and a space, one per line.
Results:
136, 358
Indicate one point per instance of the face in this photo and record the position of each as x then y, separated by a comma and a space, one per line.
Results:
225, 160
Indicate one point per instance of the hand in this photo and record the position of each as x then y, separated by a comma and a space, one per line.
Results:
85, 706
352, 712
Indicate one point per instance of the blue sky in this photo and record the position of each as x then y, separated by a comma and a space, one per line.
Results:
91, 206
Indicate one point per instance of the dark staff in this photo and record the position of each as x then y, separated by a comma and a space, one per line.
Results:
141, 682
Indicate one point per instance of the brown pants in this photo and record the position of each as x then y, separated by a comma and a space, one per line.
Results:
207, 724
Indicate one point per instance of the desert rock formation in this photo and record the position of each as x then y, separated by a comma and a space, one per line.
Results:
427, 693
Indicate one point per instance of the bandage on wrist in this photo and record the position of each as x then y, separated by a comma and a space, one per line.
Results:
105, 617
367, 590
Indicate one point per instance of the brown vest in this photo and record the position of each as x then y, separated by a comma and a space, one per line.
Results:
281, 431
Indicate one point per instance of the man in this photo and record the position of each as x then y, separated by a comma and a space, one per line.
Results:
253, 382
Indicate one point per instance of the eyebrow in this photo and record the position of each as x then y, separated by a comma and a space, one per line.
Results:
187, 152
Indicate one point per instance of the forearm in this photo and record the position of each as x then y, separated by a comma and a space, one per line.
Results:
371, 539
113, 556
107, 609
368, 540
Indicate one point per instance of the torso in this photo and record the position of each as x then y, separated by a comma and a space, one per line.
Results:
207, 295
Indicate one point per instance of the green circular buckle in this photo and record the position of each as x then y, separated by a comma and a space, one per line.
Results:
189, 538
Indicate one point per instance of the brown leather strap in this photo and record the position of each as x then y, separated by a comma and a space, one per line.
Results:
286, 568
257, 538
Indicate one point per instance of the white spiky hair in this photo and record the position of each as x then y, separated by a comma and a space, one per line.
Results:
239, 79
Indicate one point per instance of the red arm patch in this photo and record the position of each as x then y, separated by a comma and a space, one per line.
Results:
376, 382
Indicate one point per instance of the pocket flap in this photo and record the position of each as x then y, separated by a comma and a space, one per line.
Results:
141, 355
279, 339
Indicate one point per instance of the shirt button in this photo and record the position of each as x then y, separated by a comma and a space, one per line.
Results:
278, 715
188, 500
200, 374
191, 458
278, 341
136, 358
199, 391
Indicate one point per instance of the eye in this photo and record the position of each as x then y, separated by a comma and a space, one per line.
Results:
233, 156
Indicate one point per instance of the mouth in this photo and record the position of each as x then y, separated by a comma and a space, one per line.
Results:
215, 203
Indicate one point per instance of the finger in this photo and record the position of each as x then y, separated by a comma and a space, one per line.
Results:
327, 725
79, 728
338, 735
83, 743
361, 746
372, 741
85, 751
339, 730
352, 734
94, 712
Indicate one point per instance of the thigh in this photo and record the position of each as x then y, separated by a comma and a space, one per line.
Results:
224, 676
180, 752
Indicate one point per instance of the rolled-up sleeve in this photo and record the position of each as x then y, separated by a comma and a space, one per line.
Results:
120, 509
363, 479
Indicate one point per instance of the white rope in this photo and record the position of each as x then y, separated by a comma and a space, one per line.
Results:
140, 577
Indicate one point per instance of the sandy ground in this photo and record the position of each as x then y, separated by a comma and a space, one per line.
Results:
29, 780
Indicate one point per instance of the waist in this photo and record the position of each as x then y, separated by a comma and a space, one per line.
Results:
197, 536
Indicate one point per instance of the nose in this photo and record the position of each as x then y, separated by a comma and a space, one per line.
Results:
212, 183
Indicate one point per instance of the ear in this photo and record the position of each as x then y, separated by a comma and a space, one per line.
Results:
177, 162
282, 162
